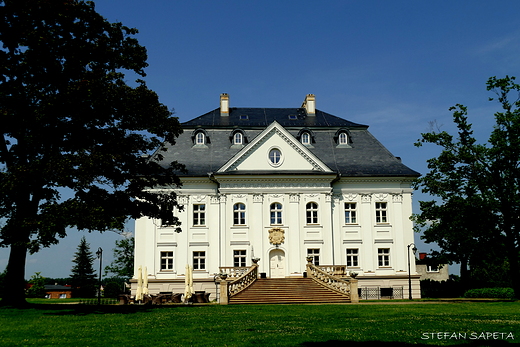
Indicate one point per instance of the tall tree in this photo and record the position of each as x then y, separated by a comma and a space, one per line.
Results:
83, 277
475, 217
123, 264
76, 137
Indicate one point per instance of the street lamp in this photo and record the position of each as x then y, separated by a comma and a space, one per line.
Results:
99, 254
414, 249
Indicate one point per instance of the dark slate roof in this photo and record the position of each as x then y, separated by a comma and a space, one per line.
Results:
262, 117
51, 287
364, 157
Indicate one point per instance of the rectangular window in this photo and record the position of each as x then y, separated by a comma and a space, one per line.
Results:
383, 256
350, 213
239, 258
199, 260
315, 254
432, 268
276, 213
352, 257
166, 261
312, 213
199, 214
381, 212
239, 214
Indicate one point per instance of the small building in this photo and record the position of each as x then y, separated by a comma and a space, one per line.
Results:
281, 185
58, 292
431, 271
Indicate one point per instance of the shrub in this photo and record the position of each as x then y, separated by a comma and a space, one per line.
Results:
500, 293
452, 288
112, 290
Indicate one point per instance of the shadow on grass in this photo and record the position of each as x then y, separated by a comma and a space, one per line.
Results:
343, 343
81, 309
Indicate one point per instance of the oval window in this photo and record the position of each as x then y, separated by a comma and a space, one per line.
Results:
275, 157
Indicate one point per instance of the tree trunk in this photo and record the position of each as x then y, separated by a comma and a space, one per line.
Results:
464, 274
14, 294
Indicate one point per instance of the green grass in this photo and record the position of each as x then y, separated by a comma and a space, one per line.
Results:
391, 324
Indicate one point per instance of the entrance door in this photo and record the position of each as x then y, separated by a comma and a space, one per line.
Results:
277, 263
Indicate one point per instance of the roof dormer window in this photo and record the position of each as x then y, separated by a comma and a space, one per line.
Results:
238, 138
343, 138
200, 138
306, 138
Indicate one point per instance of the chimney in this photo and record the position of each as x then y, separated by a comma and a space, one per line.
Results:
310, 104
224, 105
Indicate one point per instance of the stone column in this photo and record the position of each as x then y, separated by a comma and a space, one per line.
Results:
354, 297
224, 299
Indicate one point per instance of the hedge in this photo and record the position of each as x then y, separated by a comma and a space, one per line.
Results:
501, 293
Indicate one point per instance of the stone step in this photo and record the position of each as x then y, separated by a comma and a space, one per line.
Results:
287, 290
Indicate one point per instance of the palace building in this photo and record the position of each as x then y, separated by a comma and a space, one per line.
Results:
282, 185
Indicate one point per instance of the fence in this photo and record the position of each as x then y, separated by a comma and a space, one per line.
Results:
378, 293
103, 301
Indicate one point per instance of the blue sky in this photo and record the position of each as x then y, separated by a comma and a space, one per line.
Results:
394, 65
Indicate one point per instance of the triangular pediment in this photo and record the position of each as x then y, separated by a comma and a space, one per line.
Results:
260, 154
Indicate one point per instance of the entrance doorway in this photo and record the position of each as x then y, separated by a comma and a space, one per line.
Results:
277, 263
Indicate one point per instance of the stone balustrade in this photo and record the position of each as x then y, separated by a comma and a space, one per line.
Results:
346, 287
229, 288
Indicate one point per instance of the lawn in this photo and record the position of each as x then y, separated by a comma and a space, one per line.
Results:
390, 324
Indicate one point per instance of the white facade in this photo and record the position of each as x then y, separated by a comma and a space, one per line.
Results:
360, 222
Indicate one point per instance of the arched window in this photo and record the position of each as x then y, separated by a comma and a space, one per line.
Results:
276, 213
239, 214
306, 138
343, 138
312, 213
238, 138
200, 138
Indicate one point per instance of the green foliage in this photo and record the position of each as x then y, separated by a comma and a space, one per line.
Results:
474, 218
113, 289
75, 135
37, 289
83, 278
493, 293
451, 288
123, 264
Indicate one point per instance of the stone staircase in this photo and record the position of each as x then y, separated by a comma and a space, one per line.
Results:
287, 291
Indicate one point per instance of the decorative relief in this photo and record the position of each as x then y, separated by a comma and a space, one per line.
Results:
182, 199
275, 196
222, 197
311, 196
366, 197
397, 198
239, 196
214, 199
258, 198
328, 197
381, 197
350, 197
199, 198
294, 197
276, 236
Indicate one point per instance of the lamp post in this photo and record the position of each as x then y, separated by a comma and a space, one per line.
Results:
99, 254
414, 249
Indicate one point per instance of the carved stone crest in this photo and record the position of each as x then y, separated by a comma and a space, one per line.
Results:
276, 236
